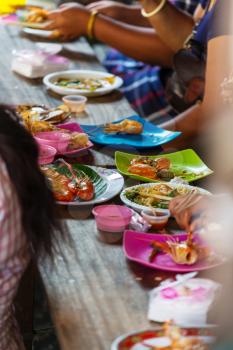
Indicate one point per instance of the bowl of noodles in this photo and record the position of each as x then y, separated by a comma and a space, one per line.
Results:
156, 195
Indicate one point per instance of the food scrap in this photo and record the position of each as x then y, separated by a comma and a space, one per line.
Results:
126, 126
187, 252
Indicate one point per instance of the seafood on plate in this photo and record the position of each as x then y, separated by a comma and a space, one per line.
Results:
126, 126
179, 341
89, 84
33, 113
77, 139
143, 170
35, 126
157, 195
67, 188
186, 252
152, 168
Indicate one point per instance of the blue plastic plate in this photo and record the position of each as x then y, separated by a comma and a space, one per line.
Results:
151, 136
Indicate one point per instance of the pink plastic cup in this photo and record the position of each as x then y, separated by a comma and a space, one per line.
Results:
56, 139
46, 154
111, 221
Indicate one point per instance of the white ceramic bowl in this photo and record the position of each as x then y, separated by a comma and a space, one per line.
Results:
50, 79
139, 207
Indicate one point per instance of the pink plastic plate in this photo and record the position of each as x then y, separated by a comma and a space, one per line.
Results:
137, 248
75, 127
46, 154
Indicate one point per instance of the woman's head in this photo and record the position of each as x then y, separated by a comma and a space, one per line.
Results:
20, 153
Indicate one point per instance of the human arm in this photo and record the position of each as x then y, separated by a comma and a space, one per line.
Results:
170, 20
201, 116
130, 14
71, 22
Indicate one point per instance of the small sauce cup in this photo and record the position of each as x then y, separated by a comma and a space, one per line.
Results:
157, 219
58, 140
112, 221
75, 103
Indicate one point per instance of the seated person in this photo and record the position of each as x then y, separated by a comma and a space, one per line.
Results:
144, 84
207, 42
126, 30
27, 218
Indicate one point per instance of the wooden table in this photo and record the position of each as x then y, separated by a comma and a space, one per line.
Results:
95, 295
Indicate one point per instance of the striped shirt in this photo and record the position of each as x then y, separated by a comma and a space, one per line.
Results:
143, 84
14, 258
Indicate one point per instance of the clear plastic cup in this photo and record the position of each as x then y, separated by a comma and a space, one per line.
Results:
75, 103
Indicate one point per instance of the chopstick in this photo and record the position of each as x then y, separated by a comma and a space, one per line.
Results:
155, 196
188, 201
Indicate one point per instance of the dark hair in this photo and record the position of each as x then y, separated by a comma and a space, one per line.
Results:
19, 152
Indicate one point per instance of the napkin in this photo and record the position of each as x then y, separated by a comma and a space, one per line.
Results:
137, 223
37, 63
186, 302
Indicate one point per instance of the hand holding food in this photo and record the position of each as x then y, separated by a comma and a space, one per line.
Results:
189, 210
37, 15
69, 21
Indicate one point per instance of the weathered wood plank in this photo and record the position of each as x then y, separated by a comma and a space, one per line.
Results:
94, 294
18, 90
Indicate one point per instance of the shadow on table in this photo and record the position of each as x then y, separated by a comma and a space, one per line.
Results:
147, 277
44, 333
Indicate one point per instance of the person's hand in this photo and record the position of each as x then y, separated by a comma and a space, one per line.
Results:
190, 211
108, 8
69, 21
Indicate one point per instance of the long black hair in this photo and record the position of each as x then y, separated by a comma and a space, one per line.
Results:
19, 152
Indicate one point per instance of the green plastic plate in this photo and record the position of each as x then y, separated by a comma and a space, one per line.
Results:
185, 164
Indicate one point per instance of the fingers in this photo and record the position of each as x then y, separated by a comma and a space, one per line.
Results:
53, 19
50, 26
191, 211
68, 4
53, 15
56, 34
94, 6
183, 220
196, 225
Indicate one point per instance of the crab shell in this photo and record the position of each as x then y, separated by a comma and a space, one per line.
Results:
183, 253
126, 126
